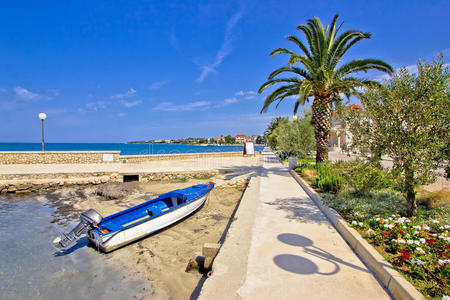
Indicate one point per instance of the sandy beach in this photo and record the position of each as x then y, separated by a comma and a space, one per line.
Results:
161, 258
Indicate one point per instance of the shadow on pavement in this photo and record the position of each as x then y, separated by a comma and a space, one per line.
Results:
301, 265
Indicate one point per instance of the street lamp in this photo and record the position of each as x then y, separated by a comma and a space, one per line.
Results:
294, 118
42, 116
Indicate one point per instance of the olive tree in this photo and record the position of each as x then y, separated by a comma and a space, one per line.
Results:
408, 119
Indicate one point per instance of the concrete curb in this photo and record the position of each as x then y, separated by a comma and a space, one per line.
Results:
399, 287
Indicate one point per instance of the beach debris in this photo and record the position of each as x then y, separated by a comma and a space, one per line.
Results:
204, 262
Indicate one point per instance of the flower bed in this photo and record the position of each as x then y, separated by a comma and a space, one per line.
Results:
418, 250
417, 247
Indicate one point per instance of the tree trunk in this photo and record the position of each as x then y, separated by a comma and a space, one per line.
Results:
321, 115
411, 209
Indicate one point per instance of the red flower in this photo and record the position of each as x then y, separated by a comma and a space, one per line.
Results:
384, 233
405, 254
431, 241
401, 231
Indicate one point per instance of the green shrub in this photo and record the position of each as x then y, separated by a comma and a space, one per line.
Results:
306, 160
304, 166
329, 178
364, 177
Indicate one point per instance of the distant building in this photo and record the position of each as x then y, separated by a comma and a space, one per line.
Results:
241, 138
219, 139
338, 134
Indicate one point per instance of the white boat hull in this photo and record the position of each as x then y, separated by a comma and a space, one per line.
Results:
115, 240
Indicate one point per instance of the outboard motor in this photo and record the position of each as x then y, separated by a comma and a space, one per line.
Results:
89, 219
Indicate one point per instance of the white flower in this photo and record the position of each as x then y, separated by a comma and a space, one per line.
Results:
390, 219
410, 242
422, 240
445, 297
420, 262
377, 219
390, 226
417, 227
416, 232
401, 241
356, 213
435, 221
393, 216
434, 234
394, 241
360, 224
426, 228
443, 262
354, 222
370, 232
407, 235
418, 249
417, 243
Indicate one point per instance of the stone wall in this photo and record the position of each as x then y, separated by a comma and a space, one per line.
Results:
35, 182
58, 157
179, 156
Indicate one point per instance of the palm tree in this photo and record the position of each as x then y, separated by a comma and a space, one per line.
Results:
320, 76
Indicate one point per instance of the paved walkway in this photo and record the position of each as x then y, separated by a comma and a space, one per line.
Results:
293, 251
198, 164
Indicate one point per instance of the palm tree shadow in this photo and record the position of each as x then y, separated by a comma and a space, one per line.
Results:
308, 247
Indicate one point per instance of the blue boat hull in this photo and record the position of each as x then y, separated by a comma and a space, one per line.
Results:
144, 219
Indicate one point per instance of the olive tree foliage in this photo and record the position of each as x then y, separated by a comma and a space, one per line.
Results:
408, 119
294, 138
270, 134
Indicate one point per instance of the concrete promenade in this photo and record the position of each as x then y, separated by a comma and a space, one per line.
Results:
281, 246
198, 164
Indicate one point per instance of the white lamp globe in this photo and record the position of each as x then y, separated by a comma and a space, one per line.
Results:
294, 118
42, 116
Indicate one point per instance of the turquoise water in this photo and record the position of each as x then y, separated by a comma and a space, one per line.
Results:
125, 149
30, 267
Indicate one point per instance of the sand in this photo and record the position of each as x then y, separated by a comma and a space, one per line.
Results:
160, 258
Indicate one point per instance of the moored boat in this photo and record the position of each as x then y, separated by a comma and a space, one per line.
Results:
134, 223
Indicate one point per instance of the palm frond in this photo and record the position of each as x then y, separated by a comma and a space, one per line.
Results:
358, 65
294, 70
273, 81
280, 50
279, 94
302, 46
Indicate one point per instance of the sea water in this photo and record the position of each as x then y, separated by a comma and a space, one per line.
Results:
32, 268
125, 149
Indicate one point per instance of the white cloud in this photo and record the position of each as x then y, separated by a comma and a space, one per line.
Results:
157, 85
121, 115
230, 100
130, 103
243, 93
412, 69
169, 106
24, 94
224, 50
130, 93
94, 106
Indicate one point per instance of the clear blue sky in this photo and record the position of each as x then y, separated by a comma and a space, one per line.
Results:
114, 71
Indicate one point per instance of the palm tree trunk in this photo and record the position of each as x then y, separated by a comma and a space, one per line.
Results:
321, 115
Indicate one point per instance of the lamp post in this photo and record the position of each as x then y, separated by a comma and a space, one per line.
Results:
42, 116
294, 118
